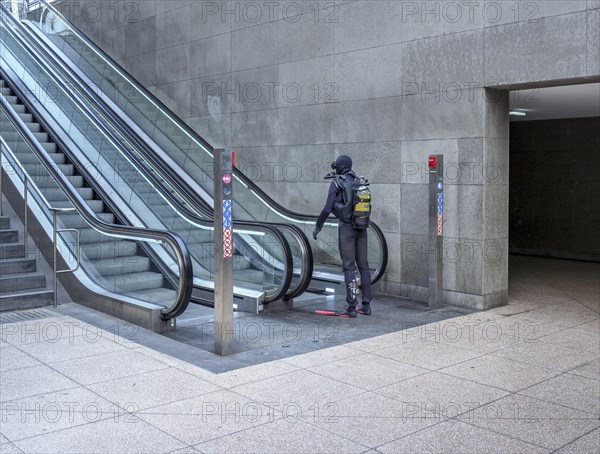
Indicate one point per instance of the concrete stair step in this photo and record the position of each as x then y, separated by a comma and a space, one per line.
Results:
26, 299
9, 236
111, 267
22, 281
18, 265
11, 251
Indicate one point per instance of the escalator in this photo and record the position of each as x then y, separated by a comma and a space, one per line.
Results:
111, 179
181, 149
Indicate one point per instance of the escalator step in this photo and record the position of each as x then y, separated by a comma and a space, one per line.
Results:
111, 267
102, 251
135, 282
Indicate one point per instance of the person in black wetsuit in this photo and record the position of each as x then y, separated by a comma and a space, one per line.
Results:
352, 242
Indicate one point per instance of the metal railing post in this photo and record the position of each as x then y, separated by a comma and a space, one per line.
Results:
55, 265
25, 215
1, 193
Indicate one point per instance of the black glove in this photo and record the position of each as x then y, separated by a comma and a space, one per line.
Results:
316, 232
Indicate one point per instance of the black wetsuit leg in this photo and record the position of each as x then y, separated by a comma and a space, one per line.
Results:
353, 251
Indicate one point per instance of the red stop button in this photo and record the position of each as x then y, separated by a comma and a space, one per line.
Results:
432, 162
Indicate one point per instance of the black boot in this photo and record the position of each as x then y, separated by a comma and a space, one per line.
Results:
351, 311
366, 309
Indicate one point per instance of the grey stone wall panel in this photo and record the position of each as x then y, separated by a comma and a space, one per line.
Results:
305, 82
246, 54
380, 162
173, 64
305, 38
364, 24
370, 120
168, 5
173, 27
369, 73
256, 89
510, 11
140, 37
206, 21
449, 114
217, 86
426, 19
548, 49
448, 62
255, 128
593, 43
210, 56
306, 124
414, 209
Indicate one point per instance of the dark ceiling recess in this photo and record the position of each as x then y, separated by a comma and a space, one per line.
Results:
568, 101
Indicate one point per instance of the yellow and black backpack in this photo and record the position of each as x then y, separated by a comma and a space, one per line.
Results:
356, 205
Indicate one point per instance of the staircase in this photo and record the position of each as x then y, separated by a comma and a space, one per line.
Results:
120, 266
21, 286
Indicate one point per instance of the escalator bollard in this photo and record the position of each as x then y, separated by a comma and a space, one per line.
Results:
223, 250
436, 220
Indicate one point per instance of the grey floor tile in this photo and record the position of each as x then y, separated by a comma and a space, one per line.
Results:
570, 390
9, 448
576, 339
546, 355
302, 389
3, 439
589, 370
130, 435
32, 381
44, 330
69, 348
371, 419
13, 358
254, 373
153, 388
500, 373
456, 437
427, 354
210, 416
531, 420
108, 366
589, 443
46, 413
435, 393
365, 371
593, 326
186, 450
282, 436
325, 355
385, 341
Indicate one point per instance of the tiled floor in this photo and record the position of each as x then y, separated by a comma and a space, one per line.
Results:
521, 378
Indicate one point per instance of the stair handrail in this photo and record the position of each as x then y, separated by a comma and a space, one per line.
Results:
182, 254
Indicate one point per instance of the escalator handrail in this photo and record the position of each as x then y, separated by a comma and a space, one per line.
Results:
184, 261
280, 292
272, 229
381, 268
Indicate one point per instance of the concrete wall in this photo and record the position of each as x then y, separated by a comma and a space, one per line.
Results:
387, 82
555, 188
